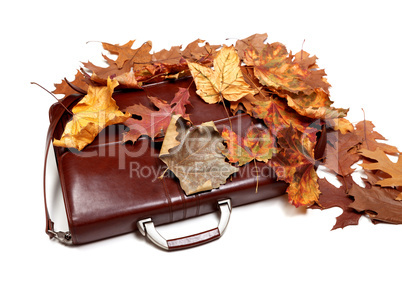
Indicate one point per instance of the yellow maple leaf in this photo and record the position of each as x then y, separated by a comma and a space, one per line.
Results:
91, 115
225, 81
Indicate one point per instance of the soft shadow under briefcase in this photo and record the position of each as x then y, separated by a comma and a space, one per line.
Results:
109, 189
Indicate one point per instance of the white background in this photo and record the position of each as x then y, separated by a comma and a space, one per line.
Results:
268, 243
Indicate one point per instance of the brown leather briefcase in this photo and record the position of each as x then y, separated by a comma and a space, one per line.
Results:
109, 190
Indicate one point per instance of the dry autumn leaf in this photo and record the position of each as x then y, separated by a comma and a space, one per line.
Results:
296, 78
342, 125
91, 115
199, 53
64, 88
275, 68
225, 81
154, 123
135, 67
255, 41
278, 116
294, 164
379, 203
247, 102
343, 154
124, 67
315, 105
332, 196
257, 145
369, 137
194, 155
135, 58
384, 164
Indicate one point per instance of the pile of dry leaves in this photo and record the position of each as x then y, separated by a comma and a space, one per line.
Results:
289, 93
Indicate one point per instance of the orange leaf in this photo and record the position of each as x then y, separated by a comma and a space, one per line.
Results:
278, 116
276, 68
257, 145
295, 165
136, 58
384, 164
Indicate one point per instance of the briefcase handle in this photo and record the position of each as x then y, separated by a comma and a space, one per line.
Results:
147, 228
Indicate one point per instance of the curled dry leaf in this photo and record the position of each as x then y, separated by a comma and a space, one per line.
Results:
91, 115
224, 82
194, 155
154, 123
315, 105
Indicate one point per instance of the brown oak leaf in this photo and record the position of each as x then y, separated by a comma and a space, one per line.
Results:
124, 68
64, 88
203, 54
332, 196
194, 155
154, 123
341, 152
384, 164
378, 203
369, 137
135, 58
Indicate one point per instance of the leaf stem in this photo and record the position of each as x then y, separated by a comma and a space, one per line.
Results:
227, 112
74, 87
365, 130
256, 169
58, 100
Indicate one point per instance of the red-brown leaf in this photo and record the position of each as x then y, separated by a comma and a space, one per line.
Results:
154, 123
